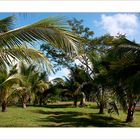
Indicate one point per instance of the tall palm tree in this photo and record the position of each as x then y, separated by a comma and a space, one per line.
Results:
123, 65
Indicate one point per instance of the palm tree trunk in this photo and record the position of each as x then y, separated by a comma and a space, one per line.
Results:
130, 112
4, 106
75, 100
101, 108
40, 102
83, 102
100, 97
25, 100
24, 105
83, 99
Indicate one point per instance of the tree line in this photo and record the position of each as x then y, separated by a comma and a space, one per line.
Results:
105, 69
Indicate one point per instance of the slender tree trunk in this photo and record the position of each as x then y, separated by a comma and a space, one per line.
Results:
75, 103
130, 112
40, 102
4, 106
82, 102
101, 108
83, 99
25, 100
24, 105
101, 100
75, 100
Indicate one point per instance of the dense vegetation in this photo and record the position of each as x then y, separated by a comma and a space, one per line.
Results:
107, 72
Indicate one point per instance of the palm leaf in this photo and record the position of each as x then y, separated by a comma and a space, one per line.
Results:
30, 55
52, 30
6, 24
13, 79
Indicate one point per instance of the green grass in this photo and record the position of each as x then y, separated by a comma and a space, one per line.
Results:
63, 116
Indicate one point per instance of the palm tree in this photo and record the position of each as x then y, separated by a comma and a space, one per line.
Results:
53, 92
75, 85
123, 65
28, 73
39, 84
53, 30
7, 80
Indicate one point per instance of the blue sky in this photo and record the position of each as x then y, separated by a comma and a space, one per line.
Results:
100, 23
95, 21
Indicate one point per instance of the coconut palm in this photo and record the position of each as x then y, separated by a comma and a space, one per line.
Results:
29, 54
7, 80
39, 85
27, 72
122, 63
53, 30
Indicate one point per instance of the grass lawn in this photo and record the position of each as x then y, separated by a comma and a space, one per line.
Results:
63, 115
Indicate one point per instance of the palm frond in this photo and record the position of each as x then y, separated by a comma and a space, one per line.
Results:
29, 55
52, 30
13, 79
6, 24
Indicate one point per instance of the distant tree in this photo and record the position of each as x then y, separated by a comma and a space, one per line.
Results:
56, 87
122, 64
62, 59
31, 82
39, 84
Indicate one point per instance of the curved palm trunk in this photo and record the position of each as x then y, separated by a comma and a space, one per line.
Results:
101, 108
24, 105
25, 98
83, 99
75, 100
4, 105
130, 112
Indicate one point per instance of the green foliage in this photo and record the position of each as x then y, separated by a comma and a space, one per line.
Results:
77, 27
6, 24
8, 78
108, 71
33, 81
52, 29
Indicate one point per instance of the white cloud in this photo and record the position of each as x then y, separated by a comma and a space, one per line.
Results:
119, 23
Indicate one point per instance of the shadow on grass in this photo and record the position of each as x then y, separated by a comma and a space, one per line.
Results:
59, 106
51, 106
93, 107
77, 119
